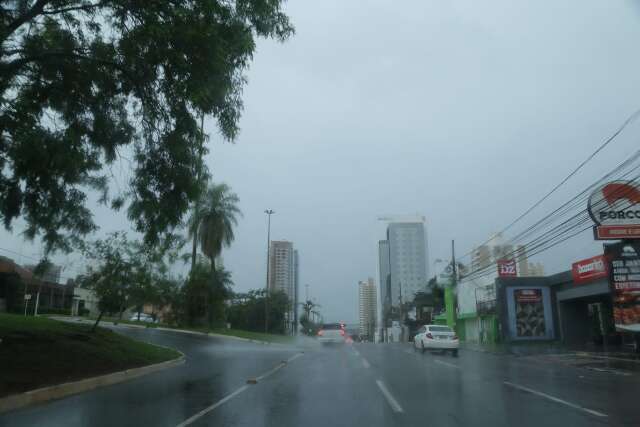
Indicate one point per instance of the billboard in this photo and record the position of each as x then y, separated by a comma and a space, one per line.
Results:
624, 276
529, 311
615, 208
590, 269
507, 268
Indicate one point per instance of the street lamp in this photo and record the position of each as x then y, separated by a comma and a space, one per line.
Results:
269, 212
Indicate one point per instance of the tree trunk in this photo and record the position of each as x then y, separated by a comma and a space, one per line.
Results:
194, 249
95, 325
210, 288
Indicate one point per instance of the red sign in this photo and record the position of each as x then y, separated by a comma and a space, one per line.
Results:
528, 295
608, 232
624, 277
589, 269
507, 268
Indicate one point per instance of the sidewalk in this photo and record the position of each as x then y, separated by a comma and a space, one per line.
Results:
552, 347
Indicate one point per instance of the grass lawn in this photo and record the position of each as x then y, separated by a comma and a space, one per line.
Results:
36, 352
260, 336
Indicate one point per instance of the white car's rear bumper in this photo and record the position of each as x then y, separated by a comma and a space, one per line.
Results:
441, 344
323, 340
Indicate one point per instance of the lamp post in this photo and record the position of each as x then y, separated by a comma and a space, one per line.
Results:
269, 212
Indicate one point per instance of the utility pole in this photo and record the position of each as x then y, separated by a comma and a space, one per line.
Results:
448, 290
306, 292
269, 212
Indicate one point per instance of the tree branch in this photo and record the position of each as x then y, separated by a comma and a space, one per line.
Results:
84, 8
35, 10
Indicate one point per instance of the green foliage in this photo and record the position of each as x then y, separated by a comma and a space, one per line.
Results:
248, 311
125, 274
82, 81
213, 222
204, 295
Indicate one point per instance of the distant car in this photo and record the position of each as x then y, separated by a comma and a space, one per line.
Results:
332, 333
143, 318
436, 337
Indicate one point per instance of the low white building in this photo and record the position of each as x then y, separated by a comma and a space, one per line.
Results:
84, 299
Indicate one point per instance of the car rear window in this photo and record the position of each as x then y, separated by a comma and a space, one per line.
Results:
440, 329
331, 326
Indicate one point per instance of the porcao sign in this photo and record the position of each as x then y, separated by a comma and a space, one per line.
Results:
615, 208
624, 276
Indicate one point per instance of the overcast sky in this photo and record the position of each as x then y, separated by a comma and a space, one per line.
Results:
466, 112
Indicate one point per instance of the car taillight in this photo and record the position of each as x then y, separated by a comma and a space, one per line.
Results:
430, 336
320, 333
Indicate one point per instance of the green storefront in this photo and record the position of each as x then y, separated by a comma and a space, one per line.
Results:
482, 329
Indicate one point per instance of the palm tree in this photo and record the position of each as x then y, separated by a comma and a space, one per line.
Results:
213, 222
309, 308
212, 227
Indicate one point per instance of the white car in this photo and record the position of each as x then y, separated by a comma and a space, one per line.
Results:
331, 333
436, 337
144, 317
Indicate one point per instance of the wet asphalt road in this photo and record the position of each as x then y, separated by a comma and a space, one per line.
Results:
359, 385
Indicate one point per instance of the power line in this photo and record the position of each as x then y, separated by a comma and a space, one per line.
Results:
629, 120
547, 240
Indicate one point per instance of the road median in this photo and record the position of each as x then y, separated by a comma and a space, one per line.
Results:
43, 359
59, 391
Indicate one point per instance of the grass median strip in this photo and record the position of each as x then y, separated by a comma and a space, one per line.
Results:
38, 352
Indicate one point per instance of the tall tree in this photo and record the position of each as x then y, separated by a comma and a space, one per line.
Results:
214, 221
84, 81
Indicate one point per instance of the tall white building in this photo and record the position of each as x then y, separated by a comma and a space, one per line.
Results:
283, 275
367, 308
406, 258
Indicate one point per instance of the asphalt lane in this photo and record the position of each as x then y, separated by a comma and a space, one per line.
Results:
350, 385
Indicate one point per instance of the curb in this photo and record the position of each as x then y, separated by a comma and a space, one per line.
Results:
58, 391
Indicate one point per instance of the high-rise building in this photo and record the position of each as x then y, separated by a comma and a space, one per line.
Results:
383, 273
296, 289
407, 260
497, 248
50, 274
367, 308
283, 275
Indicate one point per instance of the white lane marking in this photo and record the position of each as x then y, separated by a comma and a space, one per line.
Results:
442, 362
237, 392
387, 394
365, 362
356, 352
294, 357
278, 367
410, 352
555, 399
212, 407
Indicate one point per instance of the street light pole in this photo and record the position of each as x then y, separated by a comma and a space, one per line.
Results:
269, 212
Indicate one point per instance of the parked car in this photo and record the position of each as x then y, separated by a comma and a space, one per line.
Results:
436, 337
332, 333
144, 317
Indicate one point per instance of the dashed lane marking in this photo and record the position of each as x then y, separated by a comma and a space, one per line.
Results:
390, 399
451, 365
228, 397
